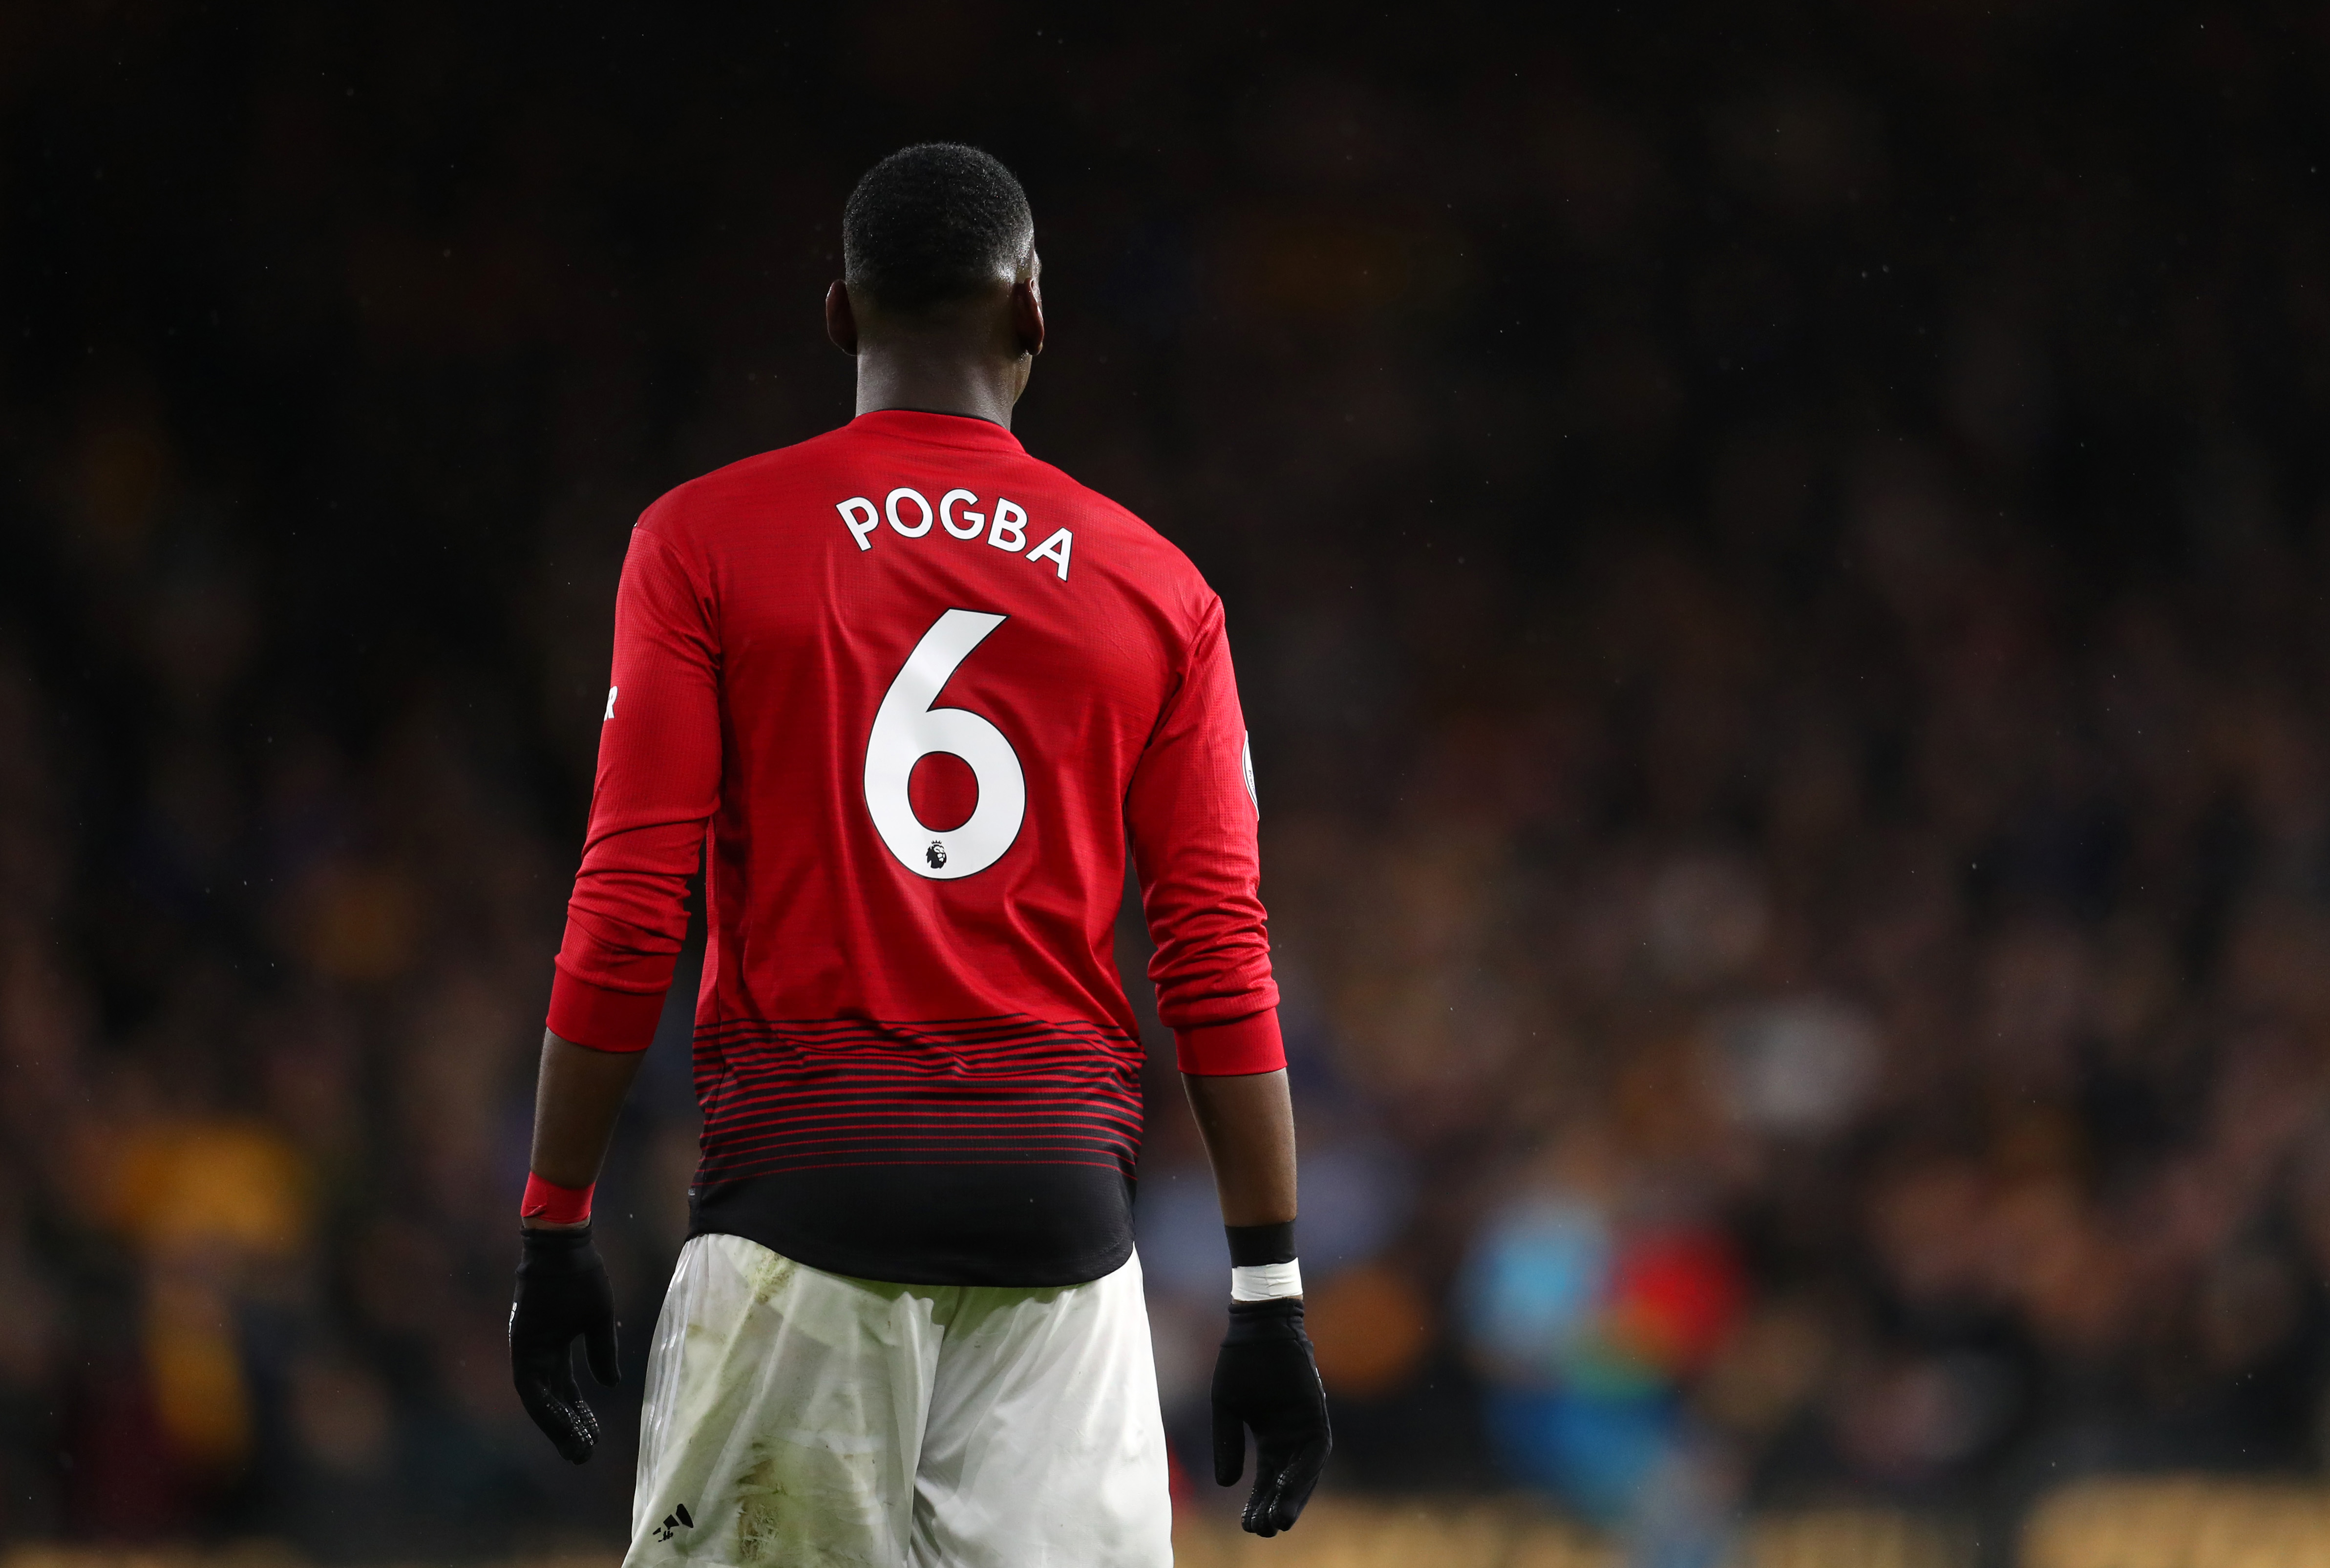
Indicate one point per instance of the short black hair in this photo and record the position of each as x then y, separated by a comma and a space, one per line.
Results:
929, 224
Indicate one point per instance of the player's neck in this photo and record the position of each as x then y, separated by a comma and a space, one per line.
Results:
938, 378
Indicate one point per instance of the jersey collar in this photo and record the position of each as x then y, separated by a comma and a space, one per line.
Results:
939, 429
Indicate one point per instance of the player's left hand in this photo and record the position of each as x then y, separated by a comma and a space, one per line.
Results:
1265, 1379
562, 1294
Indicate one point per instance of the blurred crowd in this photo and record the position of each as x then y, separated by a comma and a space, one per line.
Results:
1777, 562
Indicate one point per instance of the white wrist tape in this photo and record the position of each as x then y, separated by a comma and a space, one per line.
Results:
1266, 1282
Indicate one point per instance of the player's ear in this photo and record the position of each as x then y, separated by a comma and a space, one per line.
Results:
1027, 314
840, 318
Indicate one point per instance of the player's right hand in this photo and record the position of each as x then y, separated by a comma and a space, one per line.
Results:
562, 1294
1266, 1379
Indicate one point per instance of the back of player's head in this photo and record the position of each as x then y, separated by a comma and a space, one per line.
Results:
930, 224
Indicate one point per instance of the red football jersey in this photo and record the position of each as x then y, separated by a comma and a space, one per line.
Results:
908, 692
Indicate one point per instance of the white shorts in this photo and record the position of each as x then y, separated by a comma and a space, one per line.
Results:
804, 1418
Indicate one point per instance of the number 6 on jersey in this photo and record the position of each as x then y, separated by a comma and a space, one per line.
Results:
907, 729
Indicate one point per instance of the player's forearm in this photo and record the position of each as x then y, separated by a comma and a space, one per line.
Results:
1248, 1125
576, 1097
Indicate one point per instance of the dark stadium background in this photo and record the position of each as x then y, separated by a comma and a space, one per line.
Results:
1777, 555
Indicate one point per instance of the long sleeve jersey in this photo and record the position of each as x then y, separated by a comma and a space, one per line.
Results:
905, 693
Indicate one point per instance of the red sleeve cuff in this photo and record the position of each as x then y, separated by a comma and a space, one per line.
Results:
599, 1018
554, 1205
1232, 1050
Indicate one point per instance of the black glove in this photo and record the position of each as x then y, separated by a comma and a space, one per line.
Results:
562, 1292
1265, 1379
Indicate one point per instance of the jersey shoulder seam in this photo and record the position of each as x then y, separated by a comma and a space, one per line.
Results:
689, 491
1119, 511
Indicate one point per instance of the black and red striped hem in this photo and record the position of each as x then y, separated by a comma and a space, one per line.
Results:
965, 1151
